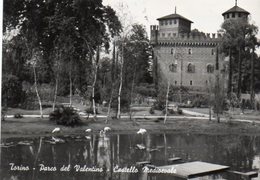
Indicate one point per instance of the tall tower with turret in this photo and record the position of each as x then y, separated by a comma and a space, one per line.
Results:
183, 58
235, 13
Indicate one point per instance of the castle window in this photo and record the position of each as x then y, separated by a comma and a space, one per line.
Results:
212, 52
171, 50
233, 15
210, 68
227, 16
239, 14
191, 68
161, 23
191, 83
206, 82
189, 51
163, 34
170, 22
174, 34
173, 67
175, 22
169, 34
166, 22
175, 82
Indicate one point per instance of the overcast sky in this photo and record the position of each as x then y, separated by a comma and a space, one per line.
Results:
205, 14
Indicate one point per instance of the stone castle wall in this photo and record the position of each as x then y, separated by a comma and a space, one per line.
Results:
175, 54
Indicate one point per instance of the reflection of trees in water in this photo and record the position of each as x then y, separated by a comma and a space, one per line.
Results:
103, 155
232, 150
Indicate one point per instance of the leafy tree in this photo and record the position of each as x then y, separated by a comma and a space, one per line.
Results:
64, 32
239, 36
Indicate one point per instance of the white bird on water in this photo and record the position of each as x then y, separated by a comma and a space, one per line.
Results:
141, 131
55, 130
103, 132
107, 129
88, 130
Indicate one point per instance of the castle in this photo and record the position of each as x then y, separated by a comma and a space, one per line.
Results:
185, 58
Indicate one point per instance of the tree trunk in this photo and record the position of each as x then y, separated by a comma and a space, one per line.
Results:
166, 102
55, 93
252, 81
109, 104
120, 85
131, 93
37, 92
209, 97
70, 74
94, 84
230, 75
217, 89
239, 73
113, 62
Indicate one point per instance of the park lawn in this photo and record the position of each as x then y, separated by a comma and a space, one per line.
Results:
23, 127
13, 111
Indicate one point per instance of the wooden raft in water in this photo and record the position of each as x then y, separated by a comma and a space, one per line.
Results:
194, 169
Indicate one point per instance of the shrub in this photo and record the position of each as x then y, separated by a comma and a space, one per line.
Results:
3, 112
65, 116
18, 116
258, 106
151, 111
179, 111
90, 110
12, 91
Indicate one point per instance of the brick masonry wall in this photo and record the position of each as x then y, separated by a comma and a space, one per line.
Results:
200, 56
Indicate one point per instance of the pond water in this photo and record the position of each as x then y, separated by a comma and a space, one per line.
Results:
94, 157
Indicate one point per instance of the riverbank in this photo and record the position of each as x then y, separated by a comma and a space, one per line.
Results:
13, 127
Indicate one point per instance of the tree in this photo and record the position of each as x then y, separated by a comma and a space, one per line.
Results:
134, 65
35, 57
239, 35
75, 28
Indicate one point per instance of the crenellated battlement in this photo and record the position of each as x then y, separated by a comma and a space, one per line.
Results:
158, 36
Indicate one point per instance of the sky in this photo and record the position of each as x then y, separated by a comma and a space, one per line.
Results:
205, 14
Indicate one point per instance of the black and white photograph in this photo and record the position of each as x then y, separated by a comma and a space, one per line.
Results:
130, 90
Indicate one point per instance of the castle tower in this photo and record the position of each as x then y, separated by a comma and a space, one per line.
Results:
174, 24
235, 13
183, 59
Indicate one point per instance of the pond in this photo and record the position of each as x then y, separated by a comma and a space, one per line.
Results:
95, 157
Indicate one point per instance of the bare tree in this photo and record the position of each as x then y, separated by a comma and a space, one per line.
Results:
36, 55
95, 66
120, 84
57, 65
166, 101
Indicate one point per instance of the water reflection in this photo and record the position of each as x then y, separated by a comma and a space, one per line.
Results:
95, 157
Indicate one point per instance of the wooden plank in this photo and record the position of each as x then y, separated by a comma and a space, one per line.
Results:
251, 174
195, 169
143, 163
174, 159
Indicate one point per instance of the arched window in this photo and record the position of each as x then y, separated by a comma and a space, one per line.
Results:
210, 68
173, 67
189, 51
191, 68
171, 50
212, 52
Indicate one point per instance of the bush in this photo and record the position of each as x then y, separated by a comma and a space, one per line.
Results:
90, 110
3, 112
151, 111
12, 91
258, 106
18, 116
65, 116
179, 111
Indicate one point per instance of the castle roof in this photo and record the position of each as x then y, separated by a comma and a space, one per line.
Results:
174, 16
235, 9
